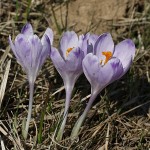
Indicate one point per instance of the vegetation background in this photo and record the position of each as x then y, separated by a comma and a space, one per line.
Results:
120, 116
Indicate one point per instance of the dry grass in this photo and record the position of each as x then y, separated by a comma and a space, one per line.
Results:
120, 116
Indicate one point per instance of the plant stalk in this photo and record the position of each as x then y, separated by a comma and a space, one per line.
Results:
64, 119
42, 117
78, 124
31, 89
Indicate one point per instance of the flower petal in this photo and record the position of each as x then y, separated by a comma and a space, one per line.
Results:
23, 50
83, 42
91, 69
74, 60
58, 62
100, 76
50, 35
93, 38
87, 41
117, 68
46, 50
103, 43
68, 40
91, 41
27, 30
14, 49
36, 50
125, 51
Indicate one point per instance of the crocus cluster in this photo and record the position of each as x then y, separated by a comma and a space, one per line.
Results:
101, 61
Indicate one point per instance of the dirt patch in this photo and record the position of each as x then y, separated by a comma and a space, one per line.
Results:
95, 15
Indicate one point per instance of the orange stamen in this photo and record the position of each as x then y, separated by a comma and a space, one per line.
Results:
68, 51
108, 55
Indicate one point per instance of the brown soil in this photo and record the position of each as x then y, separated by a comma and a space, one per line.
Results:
95, 15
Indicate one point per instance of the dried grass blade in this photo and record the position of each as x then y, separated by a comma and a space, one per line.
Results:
2, 144
4, 56
4, 82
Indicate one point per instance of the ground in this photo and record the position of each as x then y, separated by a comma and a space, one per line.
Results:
120, 116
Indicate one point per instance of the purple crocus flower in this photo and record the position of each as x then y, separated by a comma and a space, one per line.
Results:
31, 53
106, 64
68, 62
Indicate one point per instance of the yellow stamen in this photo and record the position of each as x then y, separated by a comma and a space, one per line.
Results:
68, 51
101, 61
108, 55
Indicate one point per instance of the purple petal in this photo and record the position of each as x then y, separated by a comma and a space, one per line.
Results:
27, 30
13, 48
103, 43
100, 76
46, 50
83, 42
18, 55
74, 61
125, 51
36, 50
93, 38
68, 40
91, 69
87, 41
58, 62
50, 35
117, 68
91, 41
23, 50
46, 43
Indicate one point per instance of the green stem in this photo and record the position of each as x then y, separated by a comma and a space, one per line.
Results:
79, 122
67, 103
41, 125
31, 88
28, 9
17, 10
42, 118
55, 20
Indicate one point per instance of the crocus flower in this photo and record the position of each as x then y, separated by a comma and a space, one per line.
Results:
68, 62
31, 53
106, 64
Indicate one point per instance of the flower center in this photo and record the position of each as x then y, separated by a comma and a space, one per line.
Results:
108, 55
68, 51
